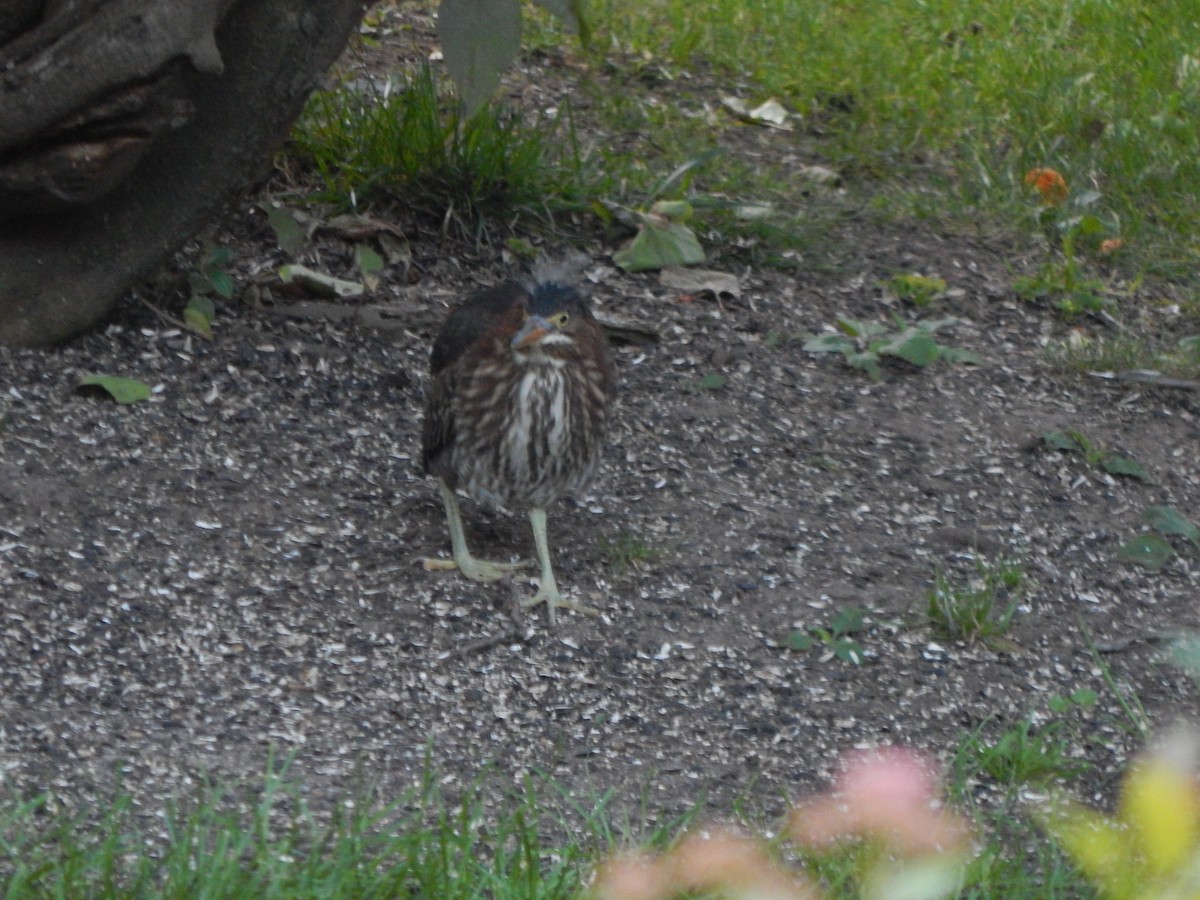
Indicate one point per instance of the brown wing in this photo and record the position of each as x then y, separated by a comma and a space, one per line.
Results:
472, 319
437, 430
464, 328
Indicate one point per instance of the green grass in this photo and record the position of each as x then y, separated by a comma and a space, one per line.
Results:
219, 844
1022, 755
925, 108
1015, 859
408, 143
979, 608
626, 550
966, 96
534, 841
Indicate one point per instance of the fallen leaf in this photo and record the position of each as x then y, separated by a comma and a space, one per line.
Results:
1148, 551
662, 240
770, 113
288, 233
123, 390
320, 284
721, 285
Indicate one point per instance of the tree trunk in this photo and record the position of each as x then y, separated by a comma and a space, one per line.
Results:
127, 125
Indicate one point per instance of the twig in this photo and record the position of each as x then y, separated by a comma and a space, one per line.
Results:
165, 316
1148, 376
515, 633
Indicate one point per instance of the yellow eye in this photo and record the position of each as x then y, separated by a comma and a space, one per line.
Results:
558, 320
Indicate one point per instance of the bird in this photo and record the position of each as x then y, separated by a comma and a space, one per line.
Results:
516, 414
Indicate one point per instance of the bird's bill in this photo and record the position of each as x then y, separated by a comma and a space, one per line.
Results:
534, 329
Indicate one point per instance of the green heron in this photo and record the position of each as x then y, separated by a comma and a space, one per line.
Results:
522, 384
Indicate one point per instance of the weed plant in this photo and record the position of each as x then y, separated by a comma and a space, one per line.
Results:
410, 143
979, 608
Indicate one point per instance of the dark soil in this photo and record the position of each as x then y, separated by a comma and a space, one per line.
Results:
233, 565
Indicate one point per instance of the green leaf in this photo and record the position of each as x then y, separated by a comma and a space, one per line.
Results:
1115, 464
848, 651
1149, 551
918, 289
367, 259
199, 315
829, 343
123, 390
659, 243
1062, 440
1166, 520
480, 39
855, 328
932, 325
369, 263
712, 382
959, 355
288, 233
1089, 225
1084, 697
849, 620
914, 345
867, 361
800, 640
222, 283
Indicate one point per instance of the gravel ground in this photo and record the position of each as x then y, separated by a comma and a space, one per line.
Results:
232, 565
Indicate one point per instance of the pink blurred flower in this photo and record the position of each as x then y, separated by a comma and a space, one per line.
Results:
721, 862
888, 795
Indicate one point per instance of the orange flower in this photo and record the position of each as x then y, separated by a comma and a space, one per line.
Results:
1111, 245
1049, 183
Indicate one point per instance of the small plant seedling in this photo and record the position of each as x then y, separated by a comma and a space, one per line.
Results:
865, 344
626, 550
836, 637
980, 609
919, 290
1153, 551
1027, 755
212, 275
211, 278
1071, 440
1070, 222
1075, 294
1084, 698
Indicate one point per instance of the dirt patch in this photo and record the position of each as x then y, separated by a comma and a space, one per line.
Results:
233, 564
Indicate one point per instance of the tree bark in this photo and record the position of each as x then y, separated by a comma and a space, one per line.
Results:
103, 184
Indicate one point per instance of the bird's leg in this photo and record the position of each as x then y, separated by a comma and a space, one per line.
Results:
547, 588
475, 569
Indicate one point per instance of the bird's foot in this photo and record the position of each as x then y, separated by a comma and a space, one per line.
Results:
554, 600
475, 569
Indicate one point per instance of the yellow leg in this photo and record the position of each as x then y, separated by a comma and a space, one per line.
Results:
548, 589
475, 569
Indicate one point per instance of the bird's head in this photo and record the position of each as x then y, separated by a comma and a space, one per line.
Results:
554, 319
